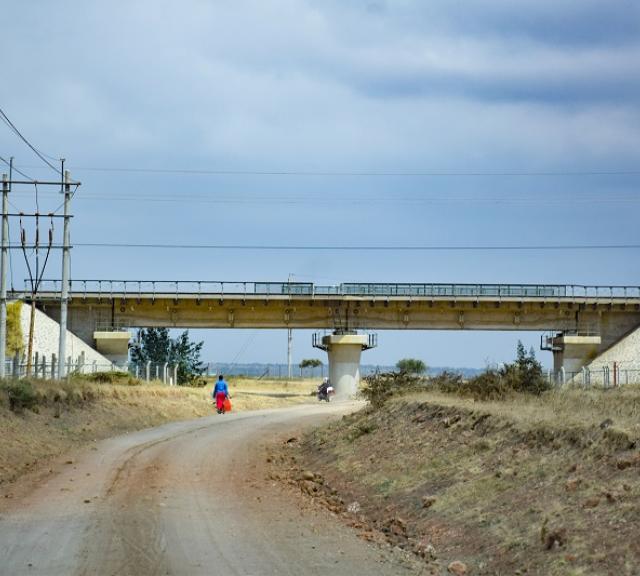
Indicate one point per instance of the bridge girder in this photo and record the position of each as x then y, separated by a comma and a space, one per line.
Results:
609, 318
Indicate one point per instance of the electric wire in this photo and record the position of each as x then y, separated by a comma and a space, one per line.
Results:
355, 173
330, 199
358, 248
37, 152
14, 168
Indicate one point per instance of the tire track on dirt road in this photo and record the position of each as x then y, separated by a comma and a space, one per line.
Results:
185, 498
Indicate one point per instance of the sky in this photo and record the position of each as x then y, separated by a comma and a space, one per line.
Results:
354, 123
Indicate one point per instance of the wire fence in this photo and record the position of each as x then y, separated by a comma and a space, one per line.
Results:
48, 368
601, 376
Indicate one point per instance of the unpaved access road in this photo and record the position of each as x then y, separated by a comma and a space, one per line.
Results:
184, 498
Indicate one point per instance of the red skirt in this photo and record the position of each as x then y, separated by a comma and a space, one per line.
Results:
220, 396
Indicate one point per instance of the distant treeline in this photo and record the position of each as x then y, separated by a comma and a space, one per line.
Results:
281, 370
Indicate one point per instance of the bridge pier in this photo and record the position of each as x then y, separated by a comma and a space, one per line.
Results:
344, 352
114, 345
572, 352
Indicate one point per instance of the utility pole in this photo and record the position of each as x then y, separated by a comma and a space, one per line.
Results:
64, 300
289, 337
3, 271
289, 345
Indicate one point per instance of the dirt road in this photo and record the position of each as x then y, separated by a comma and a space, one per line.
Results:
184, 498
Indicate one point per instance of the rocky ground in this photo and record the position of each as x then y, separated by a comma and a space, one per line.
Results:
469, 490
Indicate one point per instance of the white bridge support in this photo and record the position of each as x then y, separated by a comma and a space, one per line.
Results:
114, 345
344, 361
573, 352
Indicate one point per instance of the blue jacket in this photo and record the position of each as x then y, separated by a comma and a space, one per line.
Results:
221, 386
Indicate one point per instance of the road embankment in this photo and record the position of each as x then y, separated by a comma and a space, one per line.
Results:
527, 485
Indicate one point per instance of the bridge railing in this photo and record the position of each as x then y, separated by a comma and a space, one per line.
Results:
163, 288
180, 287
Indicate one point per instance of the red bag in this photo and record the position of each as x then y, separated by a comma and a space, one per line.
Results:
227, 405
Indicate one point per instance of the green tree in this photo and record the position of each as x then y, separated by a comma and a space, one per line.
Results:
310, 363
525, 374
186, 355
155, 345
411, 366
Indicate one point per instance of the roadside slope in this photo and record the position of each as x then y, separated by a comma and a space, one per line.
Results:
545, 485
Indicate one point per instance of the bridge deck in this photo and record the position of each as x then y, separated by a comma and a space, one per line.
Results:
609, 311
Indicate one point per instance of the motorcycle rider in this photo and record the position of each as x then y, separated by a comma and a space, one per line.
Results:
323, 389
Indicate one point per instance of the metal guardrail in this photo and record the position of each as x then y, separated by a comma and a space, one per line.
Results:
163, 288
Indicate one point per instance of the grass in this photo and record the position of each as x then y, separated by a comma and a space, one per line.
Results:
504, 475
41, 419
571, 407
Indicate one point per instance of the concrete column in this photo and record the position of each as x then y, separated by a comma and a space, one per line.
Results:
344, 362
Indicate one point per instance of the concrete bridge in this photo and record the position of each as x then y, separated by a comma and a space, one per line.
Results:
583, 321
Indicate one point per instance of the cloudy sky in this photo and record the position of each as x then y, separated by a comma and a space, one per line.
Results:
362, 122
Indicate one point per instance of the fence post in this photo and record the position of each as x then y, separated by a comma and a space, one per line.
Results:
165, 373
175, 375
16, 365
43, 367
148, 370
54, 372
563, 376
36, 370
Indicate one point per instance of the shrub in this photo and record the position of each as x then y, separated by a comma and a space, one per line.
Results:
378, 388
489, 385
15, 340
22, 395
110, 378
523, 375
446, 381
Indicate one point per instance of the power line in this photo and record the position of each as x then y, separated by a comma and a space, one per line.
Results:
14, 168
327, 198
37, 152
360, 248
356, 173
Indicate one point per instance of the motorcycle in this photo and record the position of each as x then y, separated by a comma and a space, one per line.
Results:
325, 392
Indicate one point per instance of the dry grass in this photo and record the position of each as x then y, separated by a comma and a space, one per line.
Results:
566, 408
504, 478
60, 416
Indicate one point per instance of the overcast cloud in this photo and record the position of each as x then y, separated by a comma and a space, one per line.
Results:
331, 85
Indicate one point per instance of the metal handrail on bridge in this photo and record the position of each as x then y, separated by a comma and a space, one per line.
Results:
199, 288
